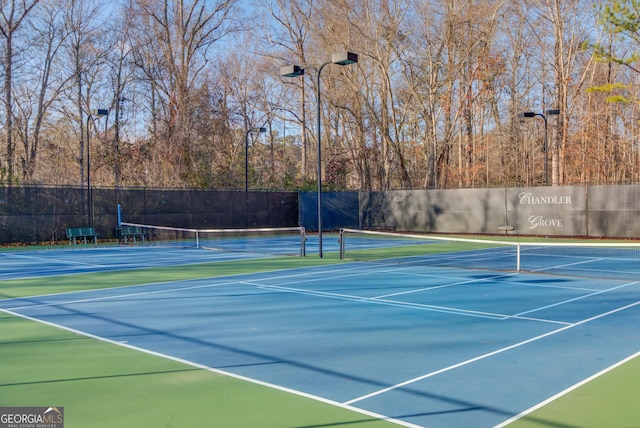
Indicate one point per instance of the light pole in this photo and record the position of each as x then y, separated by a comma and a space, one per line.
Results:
344, 58
92, 115
528, 114
246, 158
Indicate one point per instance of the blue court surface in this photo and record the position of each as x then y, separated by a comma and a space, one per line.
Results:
26, 264
425, 346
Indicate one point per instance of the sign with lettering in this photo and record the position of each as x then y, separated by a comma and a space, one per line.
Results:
547, 210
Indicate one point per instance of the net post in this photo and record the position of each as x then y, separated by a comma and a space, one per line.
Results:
197, 239
341, 243
303, 241
119, 228
518, 257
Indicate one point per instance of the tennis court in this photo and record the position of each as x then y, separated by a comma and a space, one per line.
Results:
411, 343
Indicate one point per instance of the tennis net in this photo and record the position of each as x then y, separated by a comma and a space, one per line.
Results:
277, 241
607, 260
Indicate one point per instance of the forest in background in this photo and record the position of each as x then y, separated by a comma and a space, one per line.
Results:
435, 100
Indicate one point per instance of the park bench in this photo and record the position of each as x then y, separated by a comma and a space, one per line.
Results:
81, 232
134, 232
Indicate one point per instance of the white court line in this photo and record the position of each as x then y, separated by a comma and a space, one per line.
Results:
357, 269
591, 260
227, 280
218, 371
577, 298
282, 288
324, 275
85, 267
384, 302
566, 391
487, 279
346, 404
295, 279
118, 296
366, 269
395, 303
383, 298
11, 276
54, 260
487, 355
435, 287
558, 287
213, 278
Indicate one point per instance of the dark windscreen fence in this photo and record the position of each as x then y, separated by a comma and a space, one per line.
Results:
34, 214
211, 208
614, 211
17, 206
38, 214
339, 210
611, 211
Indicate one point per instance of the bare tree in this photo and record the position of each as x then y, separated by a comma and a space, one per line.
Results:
42, 87
120, 62
379, 31
12, 16
569, 31
84, 57
174, 44
288, 38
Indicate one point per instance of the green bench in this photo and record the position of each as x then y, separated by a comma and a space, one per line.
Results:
134, 232
81, 232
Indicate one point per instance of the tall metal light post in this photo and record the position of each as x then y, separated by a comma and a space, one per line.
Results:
94, 114
344, 58
528, 114
246, 157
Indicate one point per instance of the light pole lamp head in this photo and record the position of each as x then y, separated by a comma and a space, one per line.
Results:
99, 112
291, 71
256, 129
344, 58
552, 112
526, 114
